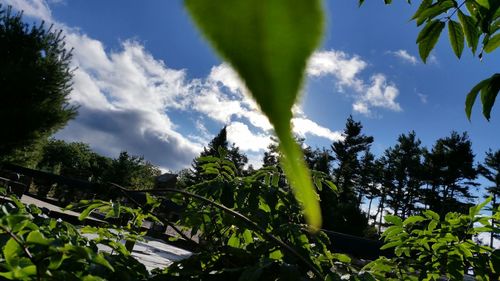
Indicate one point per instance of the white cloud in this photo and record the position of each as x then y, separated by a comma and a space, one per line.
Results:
303, 127
32, 8
381, 94
126, 97
422, 97
405, 56
376, 92
344, 68
246, 140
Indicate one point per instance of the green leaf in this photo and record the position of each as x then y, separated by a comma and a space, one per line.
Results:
432, 225
99, 259
247, 236
423, 6
456, 37
36, 237
489, 93
341, 258
428, 37
276, 255
470, 30
395, 220
85, 213
434, 10
391, 245
268, 44
413, 219
234, 241
472, 95
11, 252
431, 215
492, 44
484, 3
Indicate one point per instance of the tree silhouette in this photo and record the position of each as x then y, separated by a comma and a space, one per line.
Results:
450, 173
491, 171
35, 81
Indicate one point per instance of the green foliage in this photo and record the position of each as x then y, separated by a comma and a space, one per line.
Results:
235, 250
35, 82
469, 19
269, 47
427, 248
38, 248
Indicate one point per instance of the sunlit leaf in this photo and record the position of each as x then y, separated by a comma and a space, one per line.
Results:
268, 44
35, 237
492, 44
456, 37
484, 3
428, 37
470, 30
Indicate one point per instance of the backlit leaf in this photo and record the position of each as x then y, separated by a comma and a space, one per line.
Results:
268, 44
470, 30
456, 37
428, 37
492, 44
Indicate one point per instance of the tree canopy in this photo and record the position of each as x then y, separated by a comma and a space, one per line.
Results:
35, 83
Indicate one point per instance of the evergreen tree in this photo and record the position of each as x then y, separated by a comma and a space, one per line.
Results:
346, 156
217, 144
342, 211
132, 172
405, 170
491, 171
35, 83
450, 174
367, 184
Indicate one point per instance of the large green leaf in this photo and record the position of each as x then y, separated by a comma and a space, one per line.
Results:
456, 37
489, 90
268, 43
433, 11
492, 44
489, 93
428, 37
470, 30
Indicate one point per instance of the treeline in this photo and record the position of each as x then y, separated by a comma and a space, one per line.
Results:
406, 179
77, 160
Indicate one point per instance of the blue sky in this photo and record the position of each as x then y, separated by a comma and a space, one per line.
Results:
146, 81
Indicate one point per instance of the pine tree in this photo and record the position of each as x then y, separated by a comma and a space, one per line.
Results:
35, 83
450, 174
342, 211
405, 171
491, 171
218, 144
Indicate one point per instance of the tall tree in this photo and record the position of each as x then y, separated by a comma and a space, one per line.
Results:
217, 144
35, 83
405, 171
132, 172
75, 160
491, 171
346, 155
343, 212
450, 174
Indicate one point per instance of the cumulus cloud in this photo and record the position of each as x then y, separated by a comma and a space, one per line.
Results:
32, 8
126, 99
303, 127
239, 134
346, 69
405, 56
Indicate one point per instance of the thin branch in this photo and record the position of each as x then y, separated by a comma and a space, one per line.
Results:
241, 217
